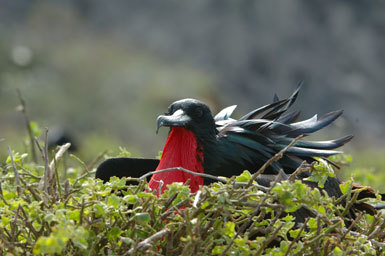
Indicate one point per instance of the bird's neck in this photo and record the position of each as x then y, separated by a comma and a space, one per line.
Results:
181, 150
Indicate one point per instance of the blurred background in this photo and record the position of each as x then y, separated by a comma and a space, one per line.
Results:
103, 71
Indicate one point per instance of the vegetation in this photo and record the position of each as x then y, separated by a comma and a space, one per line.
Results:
51, 208
68, 58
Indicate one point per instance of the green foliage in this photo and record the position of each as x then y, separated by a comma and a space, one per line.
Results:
367, 168
35, 129
83, 216
321, 171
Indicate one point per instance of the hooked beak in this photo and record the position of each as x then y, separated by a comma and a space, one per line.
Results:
179, 118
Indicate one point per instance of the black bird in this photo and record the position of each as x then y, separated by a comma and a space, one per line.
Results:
59, 137
223, 146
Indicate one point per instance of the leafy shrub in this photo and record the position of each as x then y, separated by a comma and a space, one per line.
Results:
43, 211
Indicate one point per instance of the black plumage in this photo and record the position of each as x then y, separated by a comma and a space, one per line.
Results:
230, 146
125, 167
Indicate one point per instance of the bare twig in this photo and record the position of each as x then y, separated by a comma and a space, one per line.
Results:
184, 170
2, 195
59, 154
269, 240
83, 176
205, 175
350, 229
298, 171
320, 236
146, 243
81, 213
174, 208
85, 167
297, 237
47, 169
29, 222
161, 183
197, 197
53, 164
96, 160
22, 108
57, 177
377, 231
4, 240
18, 188
373, 241
169, 202
350, 203
250, 217
244, 184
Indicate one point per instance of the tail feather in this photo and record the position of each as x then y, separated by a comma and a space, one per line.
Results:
309, 152
313, 124
329, 144
275, 98
253, 114
267, 130
289, 118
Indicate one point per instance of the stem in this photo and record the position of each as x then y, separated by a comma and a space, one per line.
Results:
17, 178
28, 125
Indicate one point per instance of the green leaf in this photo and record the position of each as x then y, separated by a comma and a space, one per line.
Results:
130, 199
337, 251
114, 233
8, 195
118, 183
142, 218
49, 217
17, 158
5, 220
244, 177
204, 205
99, 210
345, 187
321, 209
128, 241
35, 129
218, 249
123, 152
312, 223
113, 201
294, 232
229, 229
74, 215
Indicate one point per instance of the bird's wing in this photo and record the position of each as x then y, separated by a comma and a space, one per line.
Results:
263, 132
225, 113
125, 167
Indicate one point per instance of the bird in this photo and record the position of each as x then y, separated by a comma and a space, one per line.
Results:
58, 137
222, 146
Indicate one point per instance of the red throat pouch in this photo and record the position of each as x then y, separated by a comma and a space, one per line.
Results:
180, 150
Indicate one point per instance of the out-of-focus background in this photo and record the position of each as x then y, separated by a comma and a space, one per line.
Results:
104, 70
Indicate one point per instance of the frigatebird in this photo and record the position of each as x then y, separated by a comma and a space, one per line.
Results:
222, 146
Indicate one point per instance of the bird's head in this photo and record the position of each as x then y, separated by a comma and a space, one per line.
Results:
190, 114
192, 127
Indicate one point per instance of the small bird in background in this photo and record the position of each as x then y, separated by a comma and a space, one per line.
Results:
59, 137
